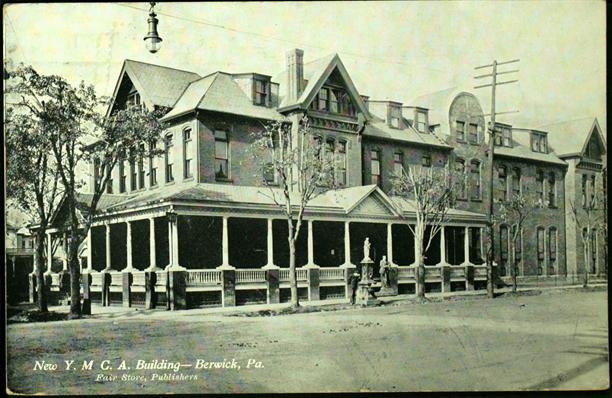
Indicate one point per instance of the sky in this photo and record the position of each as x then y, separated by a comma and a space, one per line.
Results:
392, 50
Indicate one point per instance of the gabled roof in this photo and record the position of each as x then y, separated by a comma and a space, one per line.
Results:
317, 73
571, 137
220, 93
157, 85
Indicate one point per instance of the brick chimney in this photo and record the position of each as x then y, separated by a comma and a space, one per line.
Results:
295, 74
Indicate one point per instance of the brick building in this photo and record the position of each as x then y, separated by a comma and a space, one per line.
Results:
200, 206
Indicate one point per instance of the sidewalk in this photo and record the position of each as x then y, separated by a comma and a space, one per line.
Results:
118, 312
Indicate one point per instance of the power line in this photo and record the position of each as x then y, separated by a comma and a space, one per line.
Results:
229, 28
492, 133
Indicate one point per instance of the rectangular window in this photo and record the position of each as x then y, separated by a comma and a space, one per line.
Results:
134, 101
221, 155
375, 166
460, 130
426, 160
460, 172
501, 183
506, 136
541, 250
152, 166
538, 143
475, 245
323, 99
584, 190
516, 182
341, 163
334, 105
168, 158
261, 92
475, 180
503, 248
518, 246
592, 195
473, 133
109, 186
543, 144
498, 139
395, 122
345, 104
421, 122
398, 163
540, 185
133, 175
122, 176
552, 197
552, 248
187, 154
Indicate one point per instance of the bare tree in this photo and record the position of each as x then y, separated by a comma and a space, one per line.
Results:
515, 212
588, 218
296, 167
431, 189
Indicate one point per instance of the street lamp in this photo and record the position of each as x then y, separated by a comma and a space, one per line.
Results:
152, 39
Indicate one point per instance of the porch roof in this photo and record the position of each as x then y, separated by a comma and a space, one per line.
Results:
361, 201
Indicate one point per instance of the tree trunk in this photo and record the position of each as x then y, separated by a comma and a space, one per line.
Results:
39, 250
420, 259
295, 301
75, 276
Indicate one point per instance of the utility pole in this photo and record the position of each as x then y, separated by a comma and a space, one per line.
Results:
492, 130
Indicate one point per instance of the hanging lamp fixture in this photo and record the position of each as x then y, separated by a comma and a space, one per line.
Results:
152, 39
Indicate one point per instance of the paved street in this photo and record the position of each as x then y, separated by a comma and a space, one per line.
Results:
555, 340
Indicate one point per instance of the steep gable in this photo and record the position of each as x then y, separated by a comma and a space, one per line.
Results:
322, 72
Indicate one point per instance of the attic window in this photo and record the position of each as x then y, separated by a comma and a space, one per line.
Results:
133, 100
421, 121
538, 143
333, 100
395, 114
503, 136
260, 92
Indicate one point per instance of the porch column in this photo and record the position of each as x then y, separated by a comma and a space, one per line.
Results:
466, 246
89, 268
442, 246
108, 248
310, 245
128, 246
173, 242
152, 260
225, 246
483, 253
270, 249
49, 252
390, 243
347, 245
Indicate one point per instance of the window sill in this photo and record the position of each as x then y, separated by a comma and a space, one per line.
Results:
188, 178
224, 180
475, 200
154, 186
170, 182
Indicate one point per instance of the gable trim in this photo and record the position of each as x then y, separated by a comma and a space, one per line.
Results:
594, 127
375, 190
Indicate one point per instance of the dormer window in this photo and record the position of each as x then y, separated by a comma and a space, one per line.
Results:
260, 92
538, 143
420, 121
503, 136
473, 133
460, 130
395, 114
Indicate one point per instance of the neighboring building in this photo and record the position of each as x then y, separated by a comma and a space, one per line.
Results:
582, 145
18, 248
201, 204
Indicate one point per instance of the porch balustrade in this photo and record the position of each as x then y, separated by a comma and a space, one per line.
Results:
203, 277
250, 275
480, 272
300, 274
457, 274
332, 274
138, 278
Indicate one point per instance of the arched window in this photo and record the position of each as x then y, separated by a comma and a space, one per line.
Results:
475, 180
552, 250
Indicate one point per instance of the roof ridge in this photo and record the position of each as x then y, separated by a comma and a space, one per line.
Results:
569, 120
161, 66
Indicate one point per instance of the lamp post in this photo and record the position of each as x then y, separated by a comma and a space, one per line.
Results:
152, 39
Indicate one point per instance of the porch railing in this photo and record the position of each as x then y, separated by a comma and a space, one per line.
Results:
96, 279
457, 273
138, 278
250, 275
203, 277
480, 272
332, 274
300, 274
